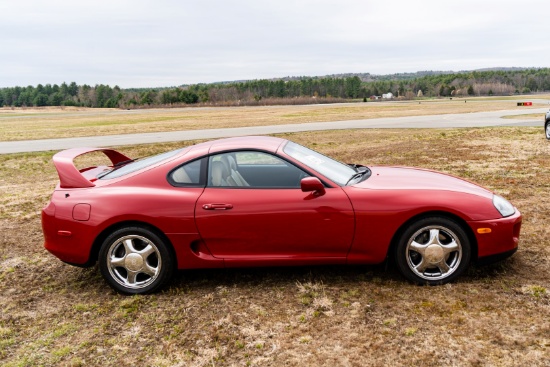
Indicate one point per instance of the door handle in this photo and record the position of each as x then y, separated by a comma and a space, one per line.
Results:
217, 206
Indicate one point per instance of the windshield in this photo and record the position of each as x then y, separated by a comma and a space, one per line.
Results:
136, 165
328, 167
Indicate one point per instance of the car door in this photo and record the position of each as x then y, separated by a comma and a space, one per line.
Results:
253, 208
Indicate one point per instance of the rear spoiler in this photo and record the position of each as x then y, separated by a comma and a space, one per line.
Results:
70, 176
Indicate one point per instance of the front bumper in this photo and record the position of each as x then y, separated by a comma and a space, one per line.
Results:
503, 238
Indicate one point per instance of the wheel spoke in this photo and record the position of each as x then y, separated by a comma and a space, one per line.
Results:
417, 247
421, 268
118, 261
443, 267
147, 251
129, 246
434, 237
132, 275
149, 270
451, 247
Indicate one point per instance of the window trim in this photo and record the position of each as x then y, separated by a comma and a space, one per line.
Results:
205, 166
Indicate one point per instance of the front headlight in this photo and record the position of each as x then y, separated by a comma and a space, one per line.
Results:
503, 206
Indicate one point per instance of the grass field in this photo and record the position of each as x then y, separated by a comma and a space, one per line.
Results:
19, 124
54, 314
528, 116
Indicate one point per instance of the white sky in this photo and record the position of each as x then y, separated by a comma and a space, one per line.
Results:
141, 43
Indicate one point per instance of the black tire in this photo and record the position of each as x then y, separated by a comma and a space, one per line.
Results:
433, 251
547, 130
134, 260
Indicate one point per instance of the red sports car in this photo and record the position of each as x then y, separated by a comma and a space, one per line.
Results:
265, 201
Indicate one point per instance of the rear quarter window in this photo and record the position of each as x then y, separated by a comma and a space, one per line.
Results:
189, 174
139, 165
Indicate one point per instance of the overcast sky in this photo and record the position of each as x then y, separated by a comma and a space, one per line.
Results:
139, 43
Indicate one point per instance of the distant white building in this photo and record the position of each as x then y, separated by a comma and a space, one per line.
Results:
387, 95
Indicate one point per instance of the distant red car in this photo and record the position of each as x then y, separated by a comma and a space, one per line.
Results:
265, 201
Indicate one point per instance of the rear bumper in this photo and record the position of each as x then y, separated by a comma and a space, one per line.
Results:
68, 240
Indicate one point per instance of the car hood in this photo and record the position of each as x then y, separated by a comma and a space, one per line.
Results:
405, 178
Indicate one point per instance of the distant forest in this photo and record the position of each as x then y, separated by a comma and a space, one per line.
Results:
291, 90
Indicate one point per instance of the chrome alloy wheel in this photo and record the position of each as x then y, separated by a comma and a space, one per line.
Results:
134, 261
547, 130
433, 252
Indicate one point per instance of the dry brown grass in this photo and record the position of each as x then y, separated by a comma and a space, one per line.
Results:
55, 314
528, 116
22, 124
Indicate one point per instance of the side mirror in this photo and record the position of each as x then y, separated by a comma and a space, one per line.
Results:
312, 184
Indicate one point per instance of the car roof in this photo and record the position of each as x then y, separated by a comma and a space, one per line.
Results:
266, 143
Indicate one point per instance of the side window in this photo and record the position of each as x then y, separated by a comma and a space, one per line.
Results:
188, 174
251, 169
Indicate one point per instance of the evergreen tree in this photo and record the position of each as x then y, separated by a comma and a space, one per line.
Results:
41, 99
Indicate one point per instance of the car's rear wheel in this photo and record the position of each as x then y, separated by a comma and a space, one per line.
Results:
432, 251
134, 260
547, 130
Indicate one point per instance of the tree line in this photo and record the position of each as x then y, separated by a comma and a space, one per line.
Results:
342, 87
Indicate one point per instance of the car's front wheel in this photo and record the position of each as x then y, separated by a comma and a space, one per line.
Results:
547, 130
432, 251
134, 260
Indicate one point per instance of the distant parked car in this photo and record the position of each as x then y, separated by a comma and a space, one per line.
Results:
266, 201
547, 125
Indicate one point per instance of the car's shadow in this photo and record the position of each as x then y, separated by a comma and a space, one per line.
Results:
385, 274
278, 276
329, 275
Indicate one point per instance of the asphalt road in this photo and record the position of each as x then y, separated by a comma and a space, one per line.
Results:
466, 120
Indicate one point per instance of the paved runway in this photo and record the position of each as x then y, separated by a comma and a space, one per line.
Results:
466, 120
